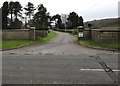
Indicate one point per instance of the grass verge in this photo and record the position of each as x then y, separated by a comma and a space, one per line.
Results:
45, 39
104, 45
16, 43
96, 44
74, 35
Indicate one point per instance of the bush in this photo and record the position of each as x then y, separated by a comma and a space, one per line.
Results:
17, 24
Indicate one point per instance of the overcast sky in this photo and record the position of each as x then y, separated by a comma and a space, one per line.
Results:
88, 9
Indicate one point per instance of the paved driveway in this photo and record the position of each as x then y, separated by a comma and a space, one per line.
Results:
60, 61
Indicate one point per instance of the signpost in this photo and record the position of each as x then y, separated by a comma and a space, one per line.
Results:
80, 32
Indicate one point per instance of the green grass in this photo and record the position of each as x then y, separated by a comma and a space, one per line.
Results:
104, 45
45, 39
74, 35
0, 43
15, 43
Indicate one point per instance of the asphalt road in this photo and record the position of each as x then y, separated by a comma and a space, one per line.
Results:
60, 61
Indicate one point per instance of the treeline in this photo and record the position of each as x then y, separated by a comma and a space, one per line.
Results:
72, 21
11, 8
12, 17
111, 22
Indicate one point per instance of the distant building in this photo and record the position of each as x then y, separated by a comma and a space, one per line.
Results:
64, 18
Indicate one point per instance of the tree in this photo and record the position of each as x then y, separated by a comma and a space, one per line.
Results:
17, 9
41, 18
73, 18
29, 9
11, 10
17, 24
5, 13
29, 12
69, 25
57, 19
80, 21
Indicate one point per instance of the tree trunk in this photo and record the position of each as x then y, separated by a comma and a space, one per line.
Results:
16, 16
11, 19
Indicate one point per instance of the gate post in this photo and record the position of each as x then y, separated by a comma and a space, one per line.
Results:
80, 32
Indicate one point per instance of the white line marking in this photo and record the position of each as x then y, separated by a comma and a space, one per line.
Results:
97, 70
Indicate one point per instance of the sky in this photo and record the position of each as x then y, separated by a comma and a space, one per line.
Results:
88, 9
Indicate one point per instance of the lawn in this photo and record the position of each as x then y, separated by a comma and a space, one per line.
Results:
15, 43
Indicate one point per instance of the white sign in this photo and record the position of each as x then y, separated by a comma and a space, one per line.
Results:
80, 34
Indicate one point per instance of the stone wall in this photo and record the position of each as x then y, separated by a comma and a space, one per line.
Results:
103, 35
27, 34
87, 34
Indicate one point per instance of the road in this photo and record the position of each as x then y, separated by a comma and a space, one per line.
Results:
60, 61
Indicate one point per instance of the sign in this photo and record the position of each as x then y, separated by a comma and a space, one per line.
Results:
80, 34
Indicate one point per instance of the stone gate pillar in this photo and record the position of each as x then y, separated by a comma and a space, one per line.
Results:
32, 35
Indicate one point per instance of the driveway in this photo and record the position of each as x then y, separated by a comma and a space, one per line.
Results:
62, 44
60, 61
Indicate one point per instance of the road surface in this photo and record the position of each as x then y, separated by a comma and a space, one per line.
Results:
60, 61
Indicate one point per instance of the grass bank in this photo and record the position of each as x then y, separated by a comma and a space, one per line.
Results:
15, 43
104, 45
96, 44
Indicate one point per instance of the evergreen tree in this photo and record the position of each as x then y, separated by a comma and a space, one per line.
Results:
73, 19
57, 19
11, 11
29, 9
5, 13
80, 21
17, 9
41, 18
